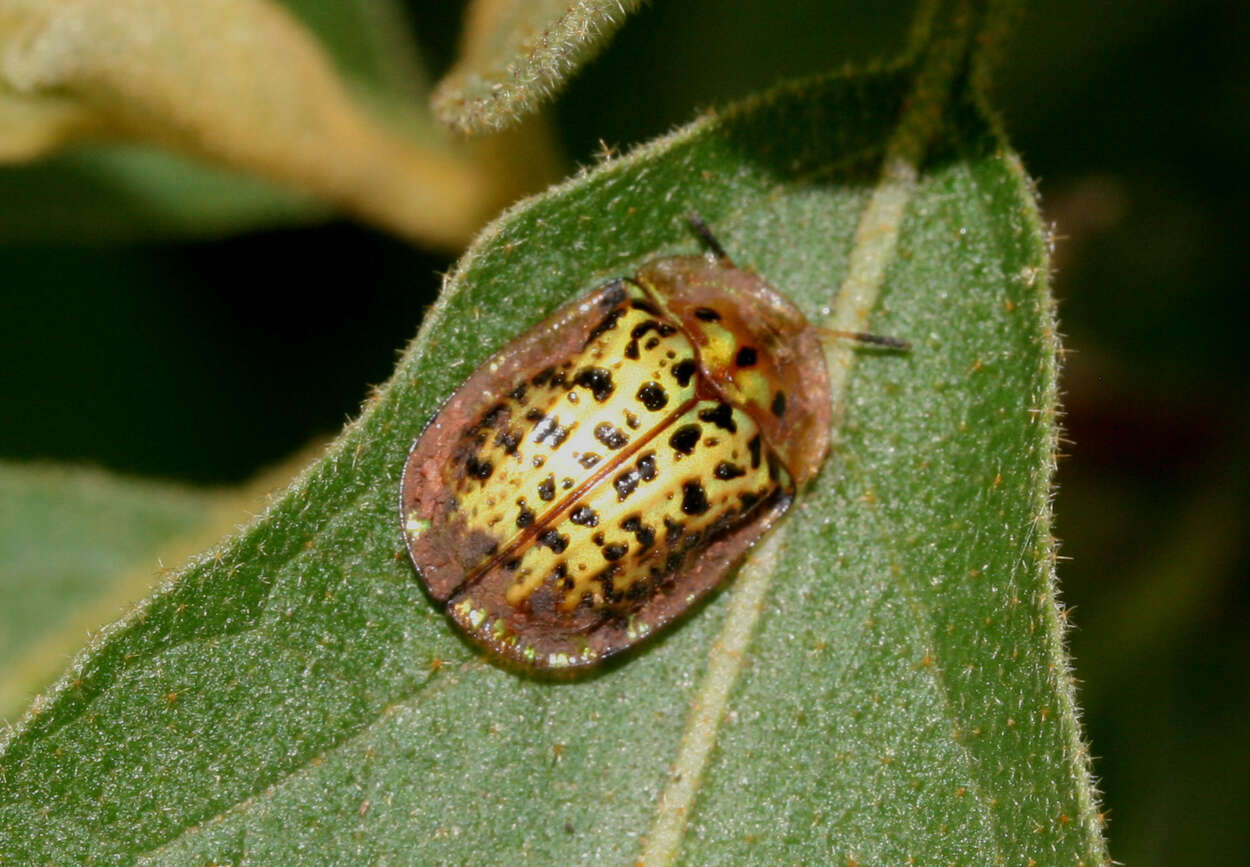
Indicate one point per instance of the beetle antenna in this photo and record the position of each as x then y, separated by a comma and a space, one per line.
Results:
701, 229
871, 339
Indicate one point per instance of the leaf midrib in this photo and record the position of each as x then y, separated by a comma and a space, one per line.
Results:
871, 255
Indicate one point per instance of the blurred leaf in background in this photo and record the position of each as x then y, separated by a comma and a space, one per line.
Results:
248, 86
1131, 115
67, 539
204, 360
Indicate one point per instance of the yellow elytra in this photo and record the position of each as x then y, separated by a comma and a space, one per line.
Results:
604, 471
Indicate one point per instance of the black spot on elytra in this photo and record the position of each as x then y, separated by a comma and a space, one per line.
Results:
613, 294
631, 351
566, 483
643, 533
685, 438
645, 306
597, 538
525, 517
663, 329
559, 574
495, 416
538, 461
598, 380
779, 404
478, 469
754, 447
518, 393
543, 376
610, 435
631, 420
653, 396
607, 324
748, 499
533, 414
707, 314
615, 551
684, 370
626, 483
584, 516
693, 498
605, 579
553, 540
646, 466
638, 590
512, 564
589, 459
547, 489
722, 416
652, 343
642, 328
550, 431
726, 471
508, 440
643, 470
747, 356
673, 529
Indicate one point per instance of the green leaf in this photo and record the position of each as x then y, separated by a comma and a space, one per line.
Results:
75, 546
516, 54
883, 679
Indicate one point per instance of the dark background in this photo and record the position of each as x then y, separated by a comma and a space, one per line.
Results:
206, 361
